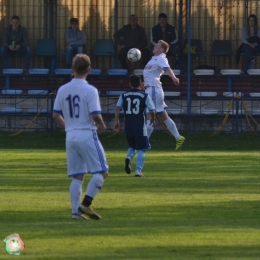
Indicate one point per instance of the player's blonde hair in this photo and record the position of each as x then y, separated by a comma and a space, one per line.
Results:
81, 64
164, 45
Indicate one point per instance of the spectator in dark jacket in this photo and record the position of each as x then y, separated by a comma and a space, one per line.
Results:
168, 33
75, 40
130, 36
15, 41
250, 40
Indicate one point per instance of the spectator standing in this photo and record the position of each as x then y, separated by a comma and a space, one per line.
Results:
134, 104
168, 33
16, 41
131, 36
77, 109
75, 41
251, 41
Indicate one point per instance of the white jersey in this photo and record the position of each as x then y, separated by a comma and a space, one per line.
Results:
76, 101
154, 69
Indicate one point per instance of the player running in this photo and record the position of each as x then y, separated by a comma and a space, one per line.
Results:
134, 103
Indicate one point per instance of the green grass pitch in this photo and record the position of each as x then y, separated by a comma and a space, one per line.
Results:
199, 203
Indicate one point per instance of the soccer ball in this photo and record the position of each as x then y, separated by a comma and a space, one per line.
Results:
134, 55
14, 245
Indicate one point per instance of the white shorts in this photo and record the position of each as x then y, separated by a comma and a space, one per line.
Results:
85, 153
157, 95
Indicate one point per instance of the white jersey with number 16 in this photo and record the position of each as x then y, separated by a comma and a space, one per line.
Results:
76, 101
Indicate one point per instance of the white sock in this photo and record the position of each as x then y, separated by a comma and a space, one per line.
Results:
149, 128
75, 194
94, 185
172, 128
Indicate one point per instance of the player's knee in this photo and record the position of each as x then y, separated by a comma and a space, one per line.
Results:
163, 115
79, 177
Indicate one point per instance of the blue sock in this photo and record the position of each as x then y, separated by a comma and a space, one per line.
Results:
130, 153
140, 160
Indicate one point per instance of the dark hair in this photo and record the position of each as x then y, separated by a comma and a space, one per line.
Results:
81, 63
135, 81
15, 17
255, 26
162, 15
164, 45
74, 20
133, 15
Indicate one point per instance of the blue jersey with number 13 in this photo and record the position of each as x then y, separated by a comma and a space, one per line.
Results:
134, 104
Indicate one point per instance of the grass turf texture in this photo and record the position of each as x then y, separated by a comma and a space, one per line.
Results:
199, 203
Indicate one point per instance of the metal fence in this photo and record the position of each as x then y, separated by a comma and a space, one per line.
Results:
210, 20
214, 112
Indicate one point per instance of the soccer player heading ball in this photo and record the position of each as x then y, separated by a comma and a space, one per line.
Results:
153, 87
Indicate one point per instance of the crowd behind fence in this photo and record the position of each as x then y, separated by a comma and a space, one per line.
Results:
210, 20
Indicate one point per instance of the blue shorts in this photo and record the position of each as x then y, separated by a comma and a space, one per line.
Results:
138, 142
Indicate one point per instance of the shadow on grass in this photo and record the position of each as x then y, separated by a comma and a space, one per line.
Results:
178, 183
159, 141
147, 220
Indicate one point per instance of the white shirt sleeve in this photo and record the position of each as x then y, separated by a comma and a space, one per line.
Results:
163, 61
94, 102
120, 102
57, 104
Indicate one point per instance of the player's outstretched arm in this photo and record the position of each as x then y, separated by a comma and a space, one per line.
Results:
172, 75
97, 118
152, 120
